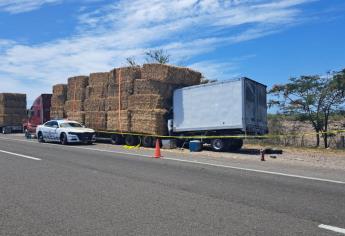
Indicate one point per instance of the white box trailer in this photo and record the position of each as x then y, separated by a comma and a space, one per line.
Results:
229, 107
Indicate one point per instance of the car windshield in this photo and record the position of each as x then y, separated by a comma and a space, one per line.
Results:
70, 125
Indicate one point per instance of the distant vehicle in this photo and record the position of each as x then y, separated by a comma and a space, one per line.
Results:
12, 112
38, 114
65, 132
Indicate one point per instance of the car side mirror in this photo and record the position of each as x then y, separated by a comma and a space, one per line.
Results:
55, 126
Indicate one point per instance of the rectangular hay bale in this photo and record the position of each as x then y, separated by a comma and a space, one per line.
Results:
116, 123
78, 116
74, 105
148, 102
170, 74
96, 120
149, 121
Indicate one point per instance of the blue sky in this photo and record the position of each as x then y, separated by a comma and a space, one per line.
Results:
43, 42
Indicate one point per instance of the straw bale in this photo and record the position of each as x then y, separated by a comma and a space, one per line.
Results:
12, 110
60, 90
58, 101
94, 104
74, 105
119, 124
11, 119
112, 103
165, 90
57, 114
99, 79
148, 101
13, 100
170, 74
96, 120
127, 87
149, 121
126, 74
96, 92
78, 116
76, 87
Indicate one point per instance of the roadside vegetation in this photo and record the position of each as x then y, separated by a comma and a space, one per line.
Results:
315, 100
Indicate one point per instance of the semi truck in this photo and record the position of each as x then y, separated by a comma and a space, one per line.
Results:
236, 107
38, 114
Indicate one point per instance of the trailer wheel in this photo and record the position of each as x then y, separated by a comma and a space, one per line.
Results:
116, 139
40, 137
235, 144
131, 140
218, 145
63, 139
148, 141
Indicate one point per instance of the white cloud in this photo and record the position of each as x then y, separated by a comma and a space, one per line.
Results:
19, 6
106, 36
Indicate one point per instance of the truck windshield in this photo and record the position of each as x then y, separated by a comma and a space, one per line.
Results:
70, 124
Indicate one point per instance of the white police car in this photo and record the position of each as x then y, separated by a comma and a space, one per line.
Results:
64, 132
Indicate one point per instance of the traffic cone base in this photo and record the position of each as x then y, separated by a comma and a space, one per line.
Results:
262, 152
157, 150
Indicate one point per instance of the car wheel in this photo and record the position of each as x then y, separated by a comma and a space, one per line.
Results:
40, 137
63, 139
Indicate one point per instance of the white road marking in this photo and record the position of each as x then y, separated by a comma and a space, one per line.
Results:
258, 171
21, 155
332, 228
193, 162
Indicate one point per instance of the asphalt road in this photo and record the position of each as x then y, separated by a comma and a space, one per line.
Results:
68, 190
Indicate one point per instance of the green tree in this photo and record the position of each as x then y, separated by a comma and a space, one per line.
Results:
313, 99
158, 56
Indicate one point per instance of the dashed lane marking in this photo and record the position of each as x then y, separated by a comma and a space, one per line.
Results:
21, 155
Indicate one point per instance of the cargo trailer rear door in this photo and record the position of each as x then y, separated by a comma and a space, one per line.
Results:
255, 106
214, 106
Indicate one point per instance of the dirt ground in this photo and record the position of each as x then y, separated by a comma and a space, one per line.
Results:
332, 159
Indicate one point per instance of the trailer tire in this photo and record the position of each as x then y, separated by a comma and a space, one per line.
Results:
40, 137
131, 140
235, 144
218, 145
116, 139
148, 141
63, 139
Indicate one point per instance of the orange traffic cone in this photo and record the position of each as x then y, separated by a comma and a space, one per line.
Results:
157, 149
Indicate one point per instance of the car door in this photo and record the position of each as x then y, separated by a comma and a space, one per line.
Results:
53, 131
46, 130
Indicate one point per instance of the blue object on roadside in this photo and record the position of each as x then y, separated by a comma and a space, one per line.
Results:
195, 146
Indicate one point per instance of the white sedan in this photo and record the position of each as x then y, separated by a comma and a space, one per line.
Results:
64, 132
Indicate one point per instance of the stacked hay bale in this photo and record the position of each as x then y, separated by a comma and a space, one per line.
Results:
120, 88
128, 99
153, 94
12, 109
96, 94
58, 100
76, 94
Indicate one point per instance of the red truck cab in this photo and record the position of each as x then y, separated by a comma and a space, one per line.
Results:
38, 114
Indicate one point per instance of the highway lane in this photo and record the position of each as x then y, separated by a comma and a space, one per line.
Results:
72, 191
